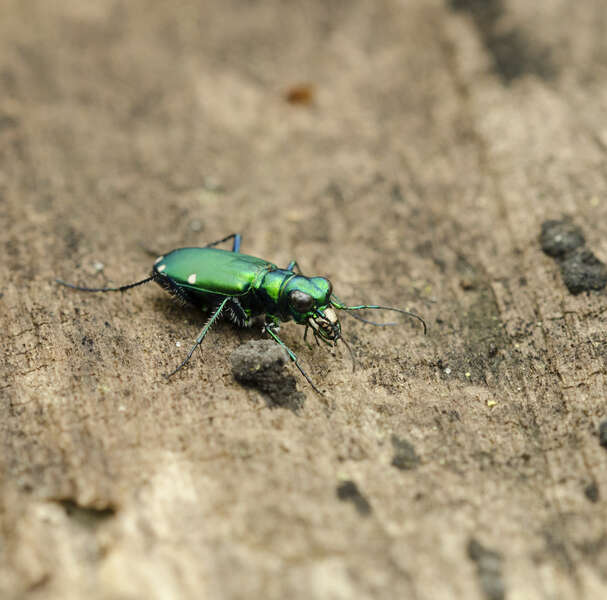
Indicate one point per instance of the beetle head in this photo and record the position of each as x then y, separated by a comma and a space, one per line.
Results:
309, 303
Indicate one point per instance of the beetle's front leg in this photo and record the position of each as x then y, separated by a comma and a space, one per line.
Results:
305, 337
270, 327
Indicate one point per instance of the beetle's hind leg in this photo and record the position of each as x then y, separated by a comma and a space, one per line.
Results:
214, 316
235, 246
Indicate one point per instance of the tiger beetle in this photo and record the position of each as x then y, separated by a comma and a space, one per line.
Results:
241, 287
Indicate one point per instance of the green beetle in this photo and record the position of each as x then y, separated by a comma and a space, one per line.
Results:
242, 287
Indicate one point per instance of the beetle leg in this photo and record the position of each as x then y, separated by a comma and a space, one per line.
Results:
305, 337
235, 246
317, 337
270, 330
201, 335
292, 266
237, 314
172, 287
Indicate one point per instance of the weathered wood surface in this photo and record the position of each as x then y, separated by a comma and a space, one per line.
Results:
441, 135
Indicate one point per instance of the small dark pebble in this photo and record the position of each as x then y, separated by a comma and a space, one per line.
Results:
582, 271
591, 491
560, 237
348, 492
260, 364
603, 434
488, 568
405, 457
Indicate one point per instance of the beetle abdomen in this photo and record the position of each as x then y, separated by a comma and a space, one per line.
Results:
209, 271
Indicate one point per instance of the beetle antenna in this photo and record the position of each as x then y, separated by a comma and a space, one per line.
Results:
359, 318
122, 288
340, 306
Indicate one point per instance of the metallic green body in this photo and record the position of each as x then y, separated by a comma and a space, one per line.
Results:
205, 275
217, 271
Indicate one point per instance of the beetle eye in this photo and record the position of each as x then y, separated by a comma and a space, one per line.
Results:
301, 301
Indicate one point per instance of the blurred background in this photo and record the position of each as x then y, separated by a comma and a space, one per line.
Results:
408, 150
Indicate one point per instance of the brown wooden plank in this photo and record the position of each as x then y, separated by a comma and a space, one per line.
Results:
436, 140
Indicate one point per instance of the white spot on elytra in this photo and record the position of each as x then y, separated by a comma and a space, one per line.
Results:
158, 260
161, 268
192, 278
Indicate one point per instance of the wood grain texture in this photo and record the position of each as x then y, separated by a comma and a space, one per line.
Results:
440, 136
